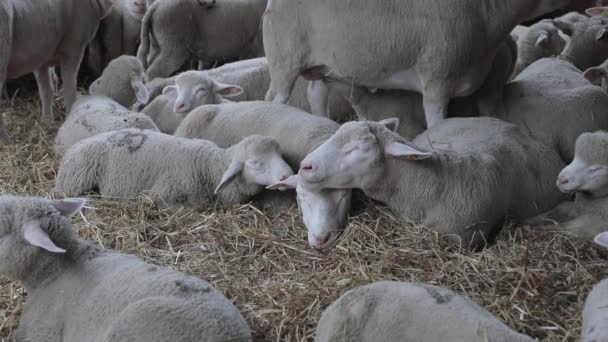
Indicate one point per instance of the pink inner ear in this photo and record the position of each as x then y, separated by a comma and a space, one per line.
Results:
231, 91
596, 11
593, 76
602, 239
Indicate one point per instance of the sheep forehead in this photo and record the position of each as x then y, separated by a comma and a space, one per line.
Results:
592, 24
192, 78
259, 145
593, 148
543, 26
353, 131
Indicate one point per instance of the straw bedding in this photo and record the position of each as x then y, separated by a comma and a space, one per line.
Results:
536, 283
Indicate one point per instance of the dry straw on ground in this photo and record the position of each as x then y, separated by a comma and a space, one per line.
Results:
536, 283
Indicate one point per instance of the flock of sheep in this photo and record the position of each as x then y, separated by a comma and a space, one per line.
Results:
464, 119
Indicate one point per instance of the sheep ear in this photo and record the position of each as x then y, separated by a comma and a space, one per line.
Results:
405, 152
597, 11
227, 90
235, 169
602, 34
543, 39
392, 123
94, 85
170, 91
35, 236
566, 27
595, 75
290, 182
141, 92
602, 239
68, 207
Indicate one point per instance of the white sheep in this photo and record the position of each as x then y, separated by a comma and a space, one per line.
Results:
587, 35
298, 133
191, 90
123, 80
540, 40
388, 311
595, 312
173, 170
80, 292
587, 177
118, 34
92, 115
452, 178
174, 31
253, 77
37, 34
598, 75
442, 55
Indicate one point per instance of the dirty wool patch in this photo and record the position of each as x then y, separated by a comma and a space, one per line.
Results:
535, 283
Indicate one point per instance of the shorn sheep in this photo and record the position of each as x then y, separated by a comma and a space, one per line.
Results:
174, 171
79, 292
388, 311
452, 178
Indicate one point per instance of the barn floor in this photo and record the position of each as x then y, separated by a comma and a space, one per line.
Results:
536, 283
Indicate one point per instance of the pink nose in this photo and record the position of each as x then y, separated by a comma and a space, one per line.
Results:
562, 180
181, 108
321, 239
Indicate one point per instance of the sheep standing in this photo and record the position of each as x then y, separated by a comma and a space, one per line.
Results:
175, 31
67, 27
388, 311
118, 34
441, 56
79, 292
177, 171
123, 80
540, 40
587, 176
191, 89
92, 115
452, 178
298, 133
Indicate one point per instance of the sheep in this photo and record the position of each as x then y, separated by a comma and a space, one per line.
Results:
595, 311
78, 291
584, 36
441, 56
387, 311
174, 31
573, 17
587, 177
67, 27
123, 80
598, 75
191, 90
452, 178
118, 34
175, 171
298, 133
253, 77
92, 115
541, 40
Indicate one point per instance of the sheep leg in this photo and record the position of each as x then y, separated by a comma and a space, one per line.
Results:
584, 227
94, 57
281, 84
435, 102
560, 213
166, 64
318, 97
6, 34
69, 74
3, 132
46, 91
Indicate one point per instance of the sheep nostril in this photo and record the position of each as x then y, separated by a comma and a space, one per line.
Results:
306, 166
563, 181
322, 239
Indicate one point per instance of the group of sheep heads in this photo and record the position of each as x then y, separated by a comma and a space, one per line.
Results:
29, 225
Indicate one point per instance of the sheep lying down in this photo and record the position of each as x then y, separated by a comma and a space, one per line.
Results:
587, 177
78, 292
172, 170
406, 312
595, 311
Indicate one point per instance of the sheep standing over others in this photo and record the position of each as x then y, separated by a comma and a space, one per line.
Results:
92, 115
540, 40
298, 133
442, 55
587, 177
123, 80
191, 90
79, 292
388, 311
118, 34
67, 26
176, 31
178, 171
452, 178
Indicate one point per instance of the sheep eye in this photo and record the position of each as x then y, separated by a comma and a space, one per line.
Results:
201, 91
